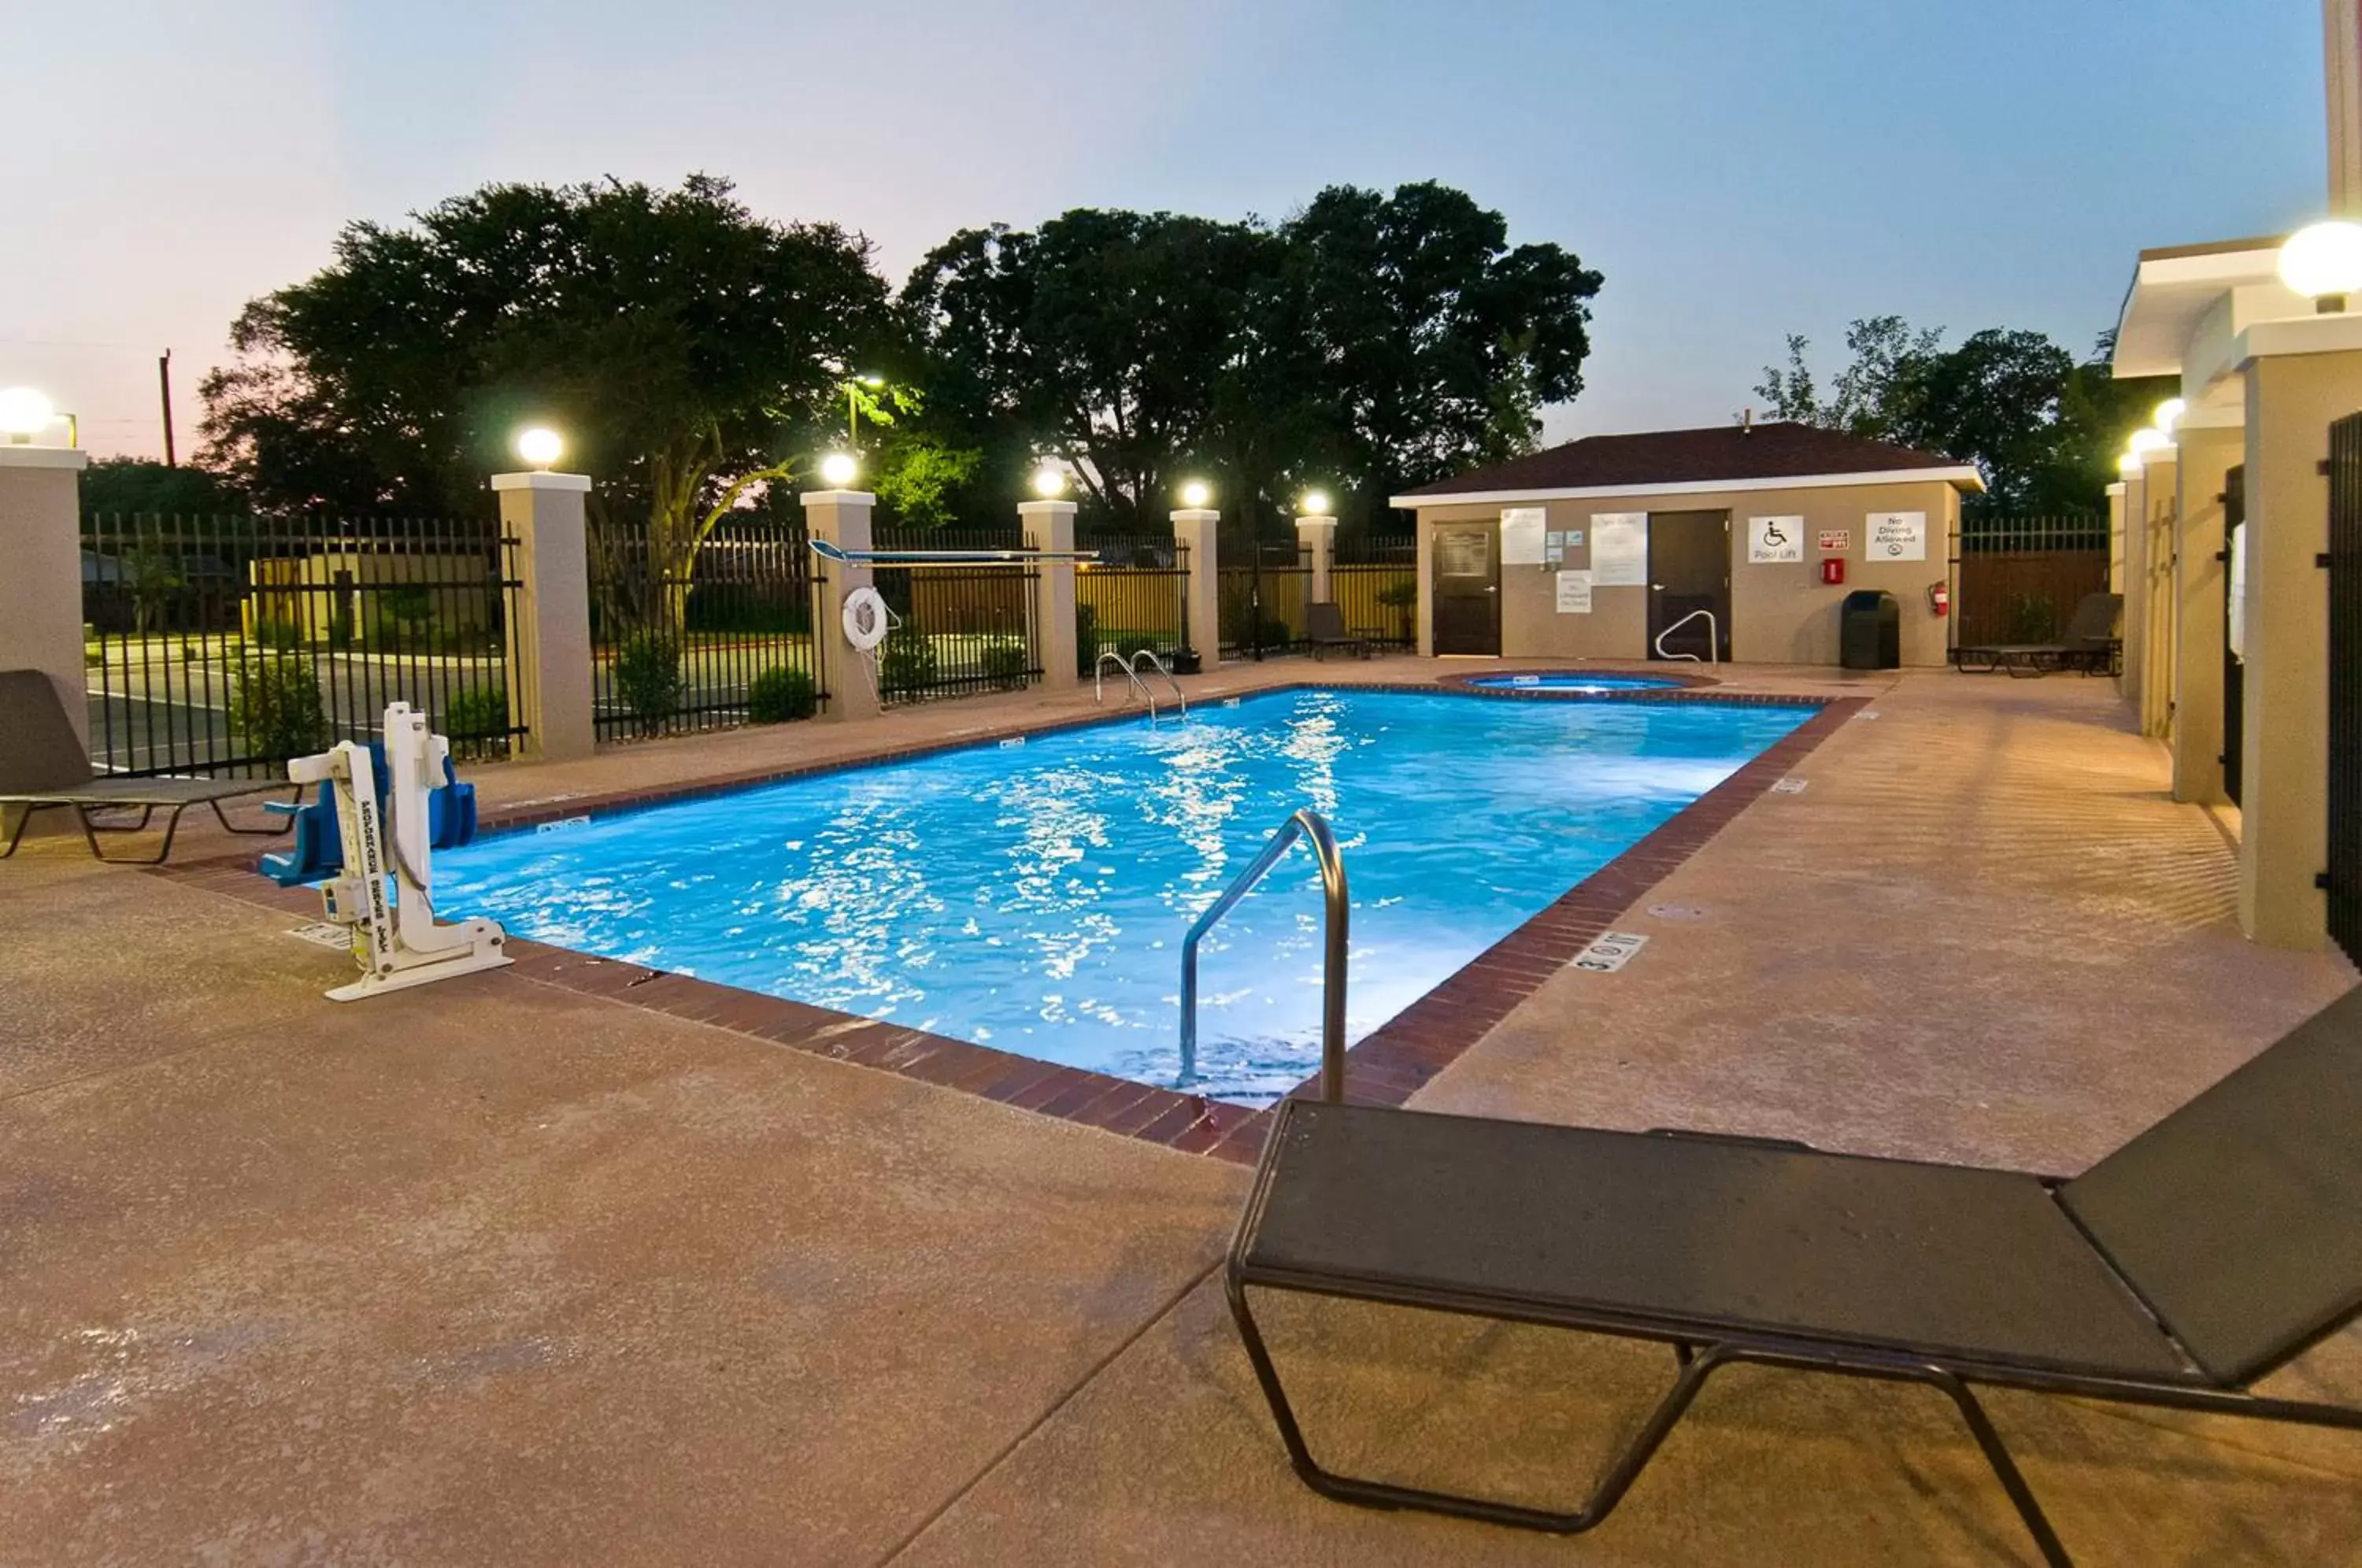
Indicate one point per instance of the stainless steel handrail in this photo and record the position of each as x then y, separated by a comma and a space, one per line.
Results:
1107, 655
1713, 638
1158, 665
1336, 913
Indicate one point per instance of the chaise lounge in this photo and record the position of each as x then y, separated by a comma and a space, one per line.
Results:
2213, 1248
43, 767
2090, 645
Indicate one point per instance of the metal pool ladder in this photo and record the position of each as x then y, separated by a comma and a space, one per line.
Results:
1335, 912
1713, 638
1130, 668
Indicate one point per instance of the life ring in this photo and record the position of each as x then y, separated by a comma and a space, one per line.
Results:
867, 619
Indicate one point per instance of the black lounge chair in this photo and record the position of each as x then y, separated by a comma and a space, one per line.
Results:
2090, 645
2212, 1249
44, 767
1324, 627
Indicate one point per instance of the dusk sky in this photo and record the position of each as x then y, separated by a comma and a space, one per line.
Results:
1738, 171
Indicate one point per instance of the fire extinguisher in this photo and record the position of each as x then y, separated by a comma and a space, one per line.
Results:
1939, 598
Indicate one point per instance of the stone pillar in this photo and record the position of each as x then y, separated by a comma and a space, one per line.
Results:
1318, 535
2207, 454
840, 517
549, 645
2134, 587
1194, 529
2158, 601
2284, 763
40, 575
1050, 525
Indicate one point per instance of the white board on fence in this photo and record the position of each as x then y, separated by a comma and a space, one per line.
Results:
1575, 593
1521, 535
1620, 549
1774, 539
1897, 536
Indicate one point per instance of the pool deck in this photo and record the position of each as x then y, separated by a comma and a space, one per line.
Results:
505, 1271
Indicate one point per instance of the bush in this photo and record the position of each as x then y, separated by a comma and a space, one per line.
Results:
1004, 664
1131, 643
477, 721
273, 632
647, 676
1087, 638
907, 661
777, 695
275, 708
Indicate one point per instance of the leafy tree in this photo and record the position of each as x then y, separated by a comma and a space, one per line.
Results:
152, 574
136, 485
687, 349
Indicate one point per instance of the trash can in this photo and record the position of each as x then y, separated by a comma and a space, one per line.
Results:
1870, 631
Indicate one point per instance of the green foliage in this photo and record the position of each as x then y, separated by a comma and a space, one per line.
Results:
906, 661
152, 574
405, 611
2032, 619
275, 706
2041, 429
273, 629
1004, 664
924, 478
1087, 637
477, 721
1131, 643
779, 694
647, 676
136, 485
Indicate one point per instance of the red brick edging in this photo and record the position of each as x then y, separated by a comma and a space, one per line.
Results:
1385, 1067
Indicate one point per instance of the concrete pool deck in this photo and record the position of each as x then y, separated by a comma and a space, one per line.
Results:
496, 1272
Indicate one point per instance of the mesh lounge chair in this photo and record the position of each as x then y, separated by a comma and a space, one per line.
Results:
2088, 646
1324, 627
2212, 1249
44, 767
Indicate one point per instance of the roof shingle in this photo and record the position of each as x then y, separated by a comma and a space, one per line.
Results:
1720, 453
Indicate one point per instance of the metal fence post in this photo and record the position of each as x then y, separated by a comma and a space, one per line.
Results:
1193, 530
1050, 527
549, 645
840, 517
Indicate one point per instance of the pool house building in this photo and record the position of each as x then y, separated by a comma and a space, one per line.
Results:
1733, 543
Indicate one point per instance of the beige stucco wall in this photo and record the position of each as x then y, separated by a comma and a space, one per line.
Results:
1781, 613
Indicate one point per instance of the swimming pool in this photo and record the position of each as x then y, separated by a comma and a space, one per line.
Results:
1034, 896
1573, 680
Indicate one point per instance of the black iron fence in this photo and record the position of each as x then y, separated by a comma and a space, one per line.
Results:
1262, 589
2021, 578
705, 636
960, 628
225, 645
1135, 596
1374, 581
2343, 879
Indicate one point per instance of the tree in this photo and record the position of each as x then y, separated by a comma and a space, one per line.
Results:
688, 350
136, 486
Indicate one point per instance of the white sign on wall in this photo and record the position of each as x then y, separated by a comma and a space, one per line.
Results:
1774, 539
1897, 536
1575, 593
1521, 535
1620, 549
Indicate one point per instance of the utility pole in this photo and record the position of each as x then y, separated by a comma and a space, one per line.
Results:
164, 383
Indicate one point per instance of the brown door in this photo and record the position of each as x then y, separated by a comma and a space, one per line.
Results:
1467, 590
1689, 571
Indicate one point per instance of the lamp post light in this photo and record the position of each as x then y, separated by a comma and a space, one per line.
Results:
25, 413
1195, 494
1049, 483
852, 408
2147, 439
838, 469
1313, 504
2128, 466
2324, 262
540, 446
2169, 414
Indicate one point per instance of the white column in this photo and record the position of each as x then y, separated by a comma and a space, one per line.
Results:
2134, 587
41, 573
1050, 527
549, 645
2116, 537
840, 517
1194, 528
1318, 535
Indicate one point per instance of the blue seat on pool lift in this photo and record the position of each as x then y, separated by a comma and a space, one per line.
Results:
319, 851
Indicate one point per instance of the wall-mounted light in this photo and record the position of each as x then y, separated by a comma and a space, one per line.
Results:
1049, 483
25, 413
838, 469
2322, 261
540, 445
1195, 494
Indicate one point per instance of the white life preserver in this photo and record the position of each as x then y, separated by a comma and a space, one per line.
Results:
867, 619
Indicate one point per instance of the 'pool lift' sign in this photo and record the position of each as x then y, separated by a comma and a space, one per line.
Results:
1774, 539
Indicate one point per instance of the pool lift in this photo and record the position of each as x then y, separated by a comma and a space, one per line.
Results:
381, 812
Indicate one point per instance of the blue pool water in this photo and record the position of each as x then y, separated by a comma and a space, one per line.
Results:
1033, 898
1561, 680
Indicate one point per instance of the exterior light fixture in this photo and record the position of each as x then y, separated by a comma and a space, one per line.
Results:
2128, 466
2148, 439
540, 446
1314, 504
2169, 414
873, 381
1195, 493
838, 468
2324, 262
25, 413
1049, 483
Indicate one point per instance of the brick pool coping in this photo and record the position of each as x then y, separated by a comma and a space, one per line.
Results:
1385, 1067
